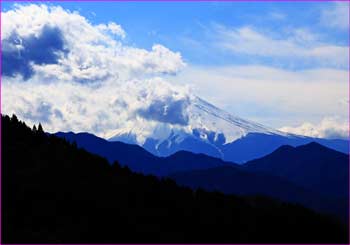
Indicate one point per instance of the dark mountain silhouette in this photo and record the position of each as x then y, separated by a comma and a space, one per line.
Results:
232, 180
199, 170
140, 160
246, 148
53, 192
257, 145
312, 166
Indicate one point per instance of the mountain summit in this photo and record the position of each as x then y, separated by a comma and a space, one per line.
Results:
201, 127
200, 119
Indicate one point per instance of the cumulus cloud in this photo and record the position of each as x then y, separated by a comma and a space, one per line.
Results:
112, 28
167, 110
71, 75
101, 110
330, 128
20, 53
33, 35
299, 44
336, 16
63, 71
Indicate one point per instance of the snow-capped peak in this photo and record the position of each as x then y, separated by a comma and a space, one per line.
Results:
206, 122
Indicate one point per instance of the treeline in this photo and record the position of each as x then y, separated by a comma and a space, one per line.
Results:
53, 192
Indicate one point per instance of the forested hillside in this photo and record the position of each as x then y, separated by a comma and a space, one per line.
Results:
53, 192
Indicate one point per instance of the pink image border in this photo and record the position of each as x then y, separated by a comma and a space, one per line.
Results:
250, 1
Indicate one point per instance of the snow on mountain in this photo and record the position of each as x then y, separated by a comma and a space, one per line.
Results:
208, 129
204, 119
209, 117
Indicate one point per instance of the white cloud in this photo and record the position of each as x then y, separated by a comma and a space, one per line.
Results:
113, 28
97, 83
299, 44
92, 52
271, 96
337, 16
328, 128
78, 107
83, 77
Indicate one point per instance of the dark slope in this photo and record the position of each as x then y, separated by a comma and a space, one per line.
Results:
246, 148
231, 180
199, 170
54, 192
134, 156
256, 145
312, 166
140, 160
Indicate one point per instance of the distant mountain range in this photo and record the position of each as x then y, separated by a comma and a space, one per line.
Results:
140, 160
321, 174
311, 166
56, 192
311, 175
214, 132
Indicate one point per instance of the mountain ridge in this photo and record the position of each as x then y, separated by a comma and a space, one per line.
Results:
312, 165
241, 179
215, 132
137, 158
69, 195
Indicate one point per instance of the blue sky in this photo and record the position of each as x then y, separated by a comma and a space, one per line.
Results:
283, 64
183, 26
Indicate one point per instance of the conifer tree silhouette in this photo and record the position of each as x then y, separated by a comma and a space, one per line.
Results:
40, 129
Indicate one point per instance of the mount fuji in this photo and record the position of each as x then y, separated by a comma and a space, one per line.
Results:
206, 129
